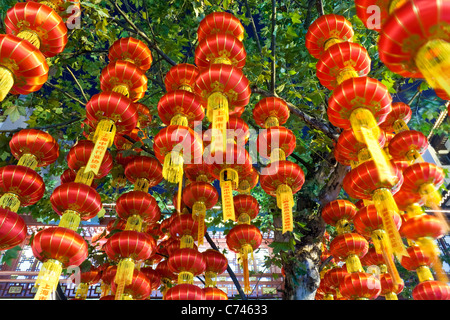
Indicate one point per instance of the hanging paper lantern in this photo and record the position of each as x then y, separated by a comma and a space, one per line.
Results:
325, 31
138, 289
363, 182
388, 288
185, 291
128, 247
131, 50
397, 120
200, 196
123, 143
220, 48
271, 112
144, 115
180, 107
340, 62
185, 228
276, 143
124, 78
418, 261
167, 276
181, 77
349, 247
198, 172
333, 278
186, 263
56, 248
248, 182
340, 214
38, 24
431, 290
408, 145
212, 293
216, 264
64, 8
360, 286
246, 208
153, 276
244, 239
282, 179
137, 207
144, 172
220, 22
34, 148
106, 278
20, 187
87, 279
23, 68
13, 229
420, 50
78, 160
75, 202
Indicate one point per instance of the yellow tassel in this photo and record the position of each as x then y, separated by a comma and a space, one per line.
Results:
414, 210
105, 289
10, 201
328, 296
343, 226
124, 276
173, 167
82, 291
50, 4
217, 114
28, 160
271, 122
390, 296
366, 130
221, 60
186, 241
277, 154
103, 139
243, 218
229, 180
285, 202
30, 36
431, 250
433, 61
345, 74
413, 155
432, 199
199, 214
353, 264
134, 223
331, 42
179, 195
400, 126
6, 82
424, 274
185, 277
141, 184
210, 279
47, 279
179, 120
70, 219
84, 177
386, 208
364, 155
126, 296
245, 250
122, 89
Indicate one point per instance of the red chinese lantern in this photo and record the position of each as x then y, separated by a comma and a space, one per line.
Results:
107, 277
360, 286
282, 179
333, 278
248, 182
131, 50
220, 48
431, 290
186, 263
418, 261
124, 78
78, 160
244, 239
75, 202
363, 182
200, 196
180, 107
184, 291
276, 143
181, 77
56, 248
138, 289
144, 116
167, 276
13, 229
375, 17
420, 50
271, 112
408, 145
144, 172
340, 214
216, 264
87, 279
185, 228
397, 120
349, 247
128, 247
246, 208
38, 24
153, 276
325, 31
19, 187
123, 143
64, 8
212, 293
388, 288
137, 207
198, 172
23, 68
220, 22
34, 148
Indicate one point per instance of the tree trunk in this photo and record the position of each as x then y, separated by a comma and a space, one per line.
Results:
302, 267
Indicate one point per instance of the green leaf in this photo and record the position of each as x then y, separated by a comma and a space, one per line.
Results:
10, 255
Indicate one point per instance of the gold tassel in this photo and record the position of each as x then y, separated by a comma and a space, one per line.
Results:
122, 89
390, 296
328, 296
141, 184
245, 250
84, 177
431, 250
30, 36
386, 208
124, 276
244, 218
400, 126
366, 130
103, 139
47, 279
433, 61
353, 263
229, 180
179, 195
271, 122
185, 277
277, 154
28, 160
432, 199
10, 201
199, 214
173, 167
179, 120
6, 82
210, 279
186, 241
424, 274
343, 226
134, 223
345, 74
70, 219
217, 113
285, 202
331, 42
50, 4
105, 289
82, 291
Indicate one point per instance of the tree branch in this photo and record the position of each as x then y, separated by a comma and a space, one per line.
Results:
78, 83
66, 94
